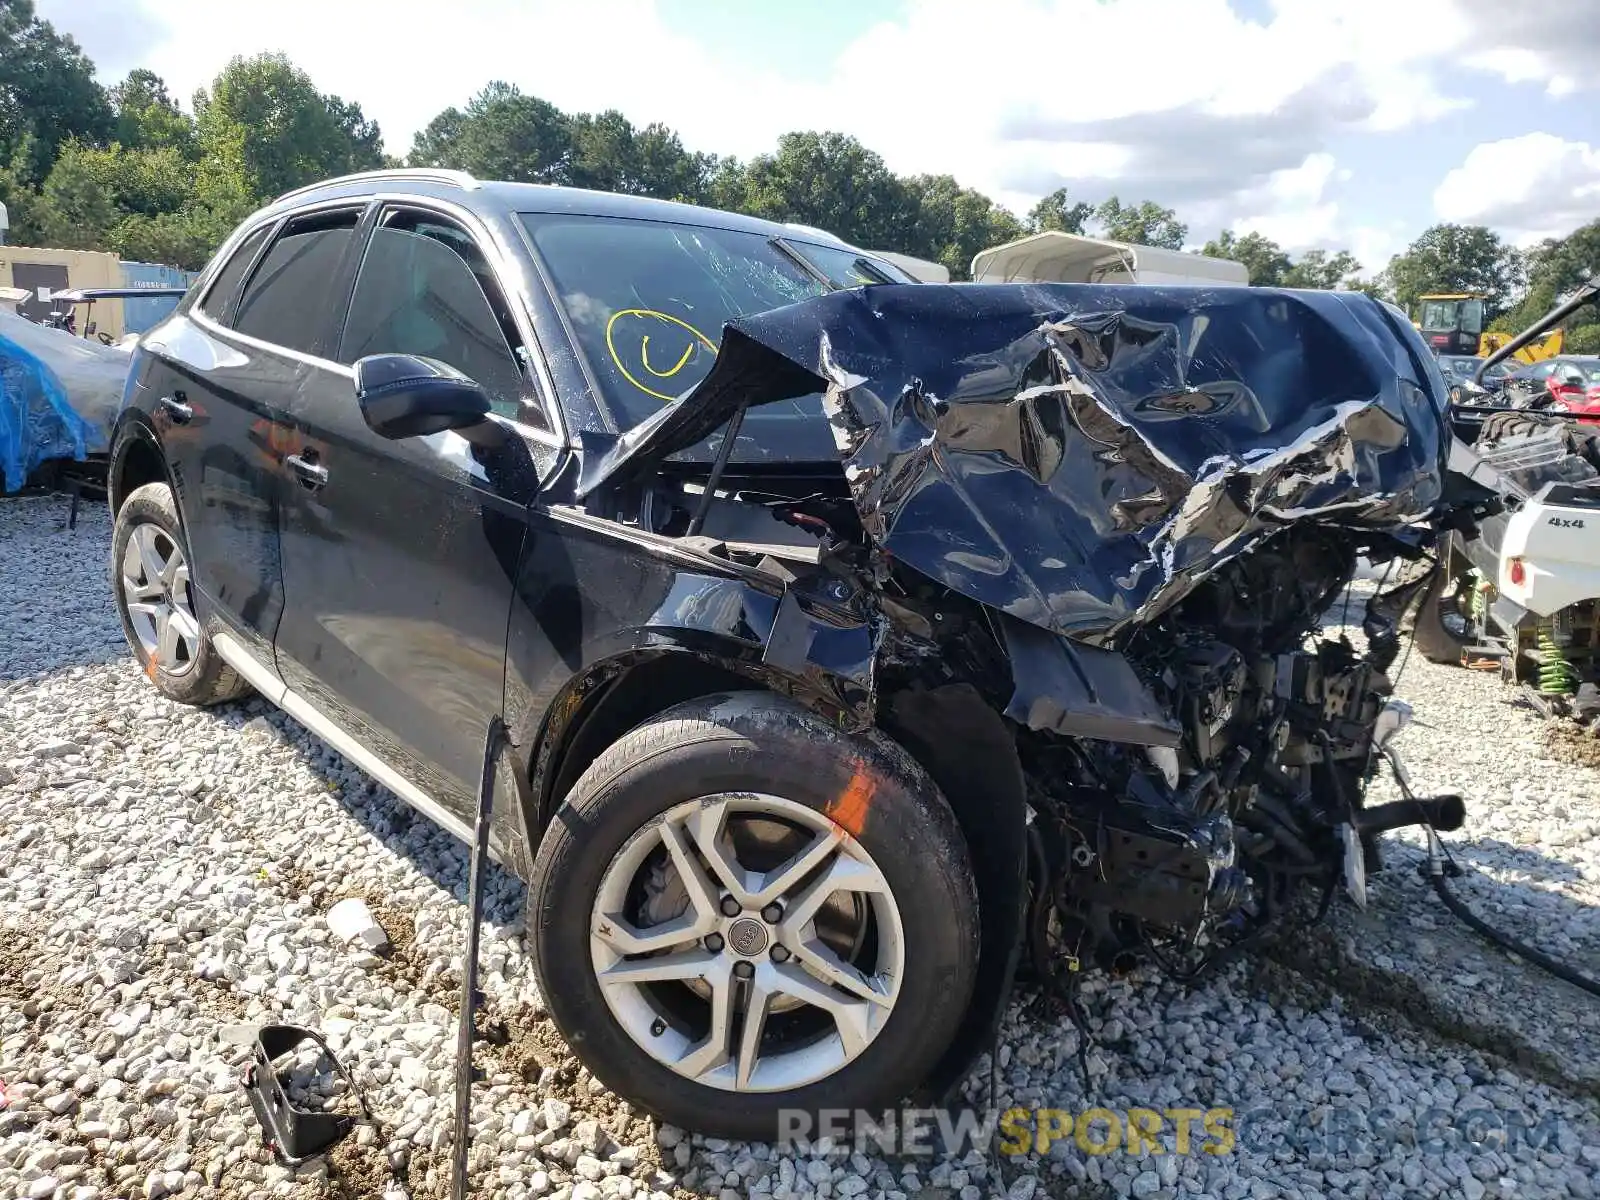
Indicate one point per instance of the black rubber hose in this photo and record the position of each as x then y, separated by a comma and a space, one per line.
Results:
1444, 813
1506, 942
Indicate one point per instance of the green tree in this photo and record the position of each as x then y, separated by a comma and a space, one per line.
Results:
666, 170
76, 211
1376, 288
22, 203
1317, 269
1564, 263
141, 204
149, 119
827, 180
951, 224
1554, 268
1583, 339
48, 92
1058, 211
608, 153
1145, 224
502, 134
1261, 256
603, 154
293, 134
1455, 258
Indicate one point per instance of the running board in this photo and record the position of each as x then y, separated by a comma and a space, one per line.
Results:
265, 681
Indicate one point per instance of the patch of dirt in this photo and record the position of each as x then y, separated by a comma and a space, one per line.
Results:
219, 997
17, 957
1571, 743
356, 1172
428, 1176
295, 882
535, 1045
403, 964
19, 954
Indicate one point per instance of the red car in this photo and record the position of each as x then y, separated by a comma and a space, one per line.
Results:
1569, 383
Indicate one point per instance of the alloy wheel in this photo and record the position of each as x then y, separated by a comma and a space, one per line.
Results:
155, 592
747, 942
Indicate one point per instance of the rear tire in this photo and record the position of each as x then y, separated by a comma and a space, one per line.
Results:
1439, 633
150, 578
705, 774
1518, 423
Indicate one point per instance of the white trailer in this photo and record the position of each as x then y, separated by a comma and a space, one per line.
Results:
919, 269
1056, 257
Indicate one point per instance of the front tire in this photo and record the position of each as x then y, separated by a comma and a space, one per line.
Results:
741, 911
150, 577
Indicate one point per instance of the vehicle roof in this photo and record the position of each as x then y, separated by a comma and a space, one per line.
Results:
500, 196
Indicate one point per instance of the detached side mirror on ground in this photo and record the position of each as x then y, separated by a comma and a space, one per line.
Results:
406, 395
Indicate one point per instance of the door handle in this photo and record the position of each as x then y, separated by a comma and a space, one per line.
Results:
175, 408
304, 465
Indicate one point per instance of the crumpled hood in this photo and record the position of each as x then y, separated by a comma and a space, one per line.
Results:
1079, 456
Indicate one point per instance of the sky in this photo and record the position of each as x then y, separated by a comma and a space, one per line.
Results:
1341, 124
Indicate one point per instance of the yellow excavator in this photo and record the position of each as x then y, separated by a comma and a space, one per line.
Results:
1452, 323
1548, 346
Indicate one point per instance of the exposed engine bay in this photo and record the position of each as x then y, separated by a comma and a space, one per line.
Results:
1121, 530
1185, 851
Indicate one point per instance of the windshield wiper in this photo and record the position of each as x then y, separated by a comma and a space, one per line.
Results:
804, 263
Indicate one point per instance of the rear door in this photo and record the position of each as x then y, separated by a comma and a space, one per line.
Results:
223, 386
399, 556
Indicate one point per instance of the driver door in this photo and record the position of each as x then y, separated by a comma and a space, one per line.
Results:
399, 556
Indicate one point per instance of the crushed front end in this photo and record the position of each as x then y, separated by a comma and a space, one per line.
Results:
1117, 516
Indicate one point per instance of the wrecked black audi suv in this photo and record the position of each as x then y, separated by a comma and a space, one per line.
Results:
863, 643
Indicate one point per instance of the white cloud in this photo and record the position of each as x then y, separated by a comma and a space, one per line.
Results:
1375, 245
1530, 187
1292, 207
1168, 68
1225, 119
1553, 42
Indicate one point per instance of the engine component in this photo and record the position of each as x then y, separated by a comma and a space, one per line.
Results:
1210, 681
1151, 862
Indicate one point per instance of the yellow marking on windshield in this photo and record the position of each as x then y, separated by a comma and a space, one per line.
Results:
643, 351
644, 357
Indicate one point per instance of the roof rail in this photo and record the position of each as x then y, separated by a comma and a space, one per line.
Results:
460, 179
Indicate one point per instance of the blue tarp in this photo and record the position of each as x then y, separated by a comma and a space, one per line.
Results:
37, 421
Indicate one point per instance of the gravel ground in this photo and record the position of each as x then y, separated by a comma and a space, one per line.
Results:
164, 874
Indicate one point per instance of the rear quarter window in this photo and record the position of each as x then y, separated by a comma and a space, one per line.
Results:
286, 298
218, 300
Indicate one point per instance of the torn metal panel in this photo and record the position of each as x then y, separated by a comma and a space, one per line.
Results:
1079, 456
1081, 691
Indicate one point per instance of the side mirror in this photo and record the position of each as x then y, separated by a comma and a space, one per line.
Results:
405, 395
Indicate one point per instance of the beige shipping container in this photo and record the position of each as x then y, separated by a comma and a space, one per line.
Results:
34, 267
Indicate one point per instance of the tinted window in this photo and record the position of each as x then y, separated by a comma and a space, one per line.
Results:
218, 303
283, 303
425, 288
647, 301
